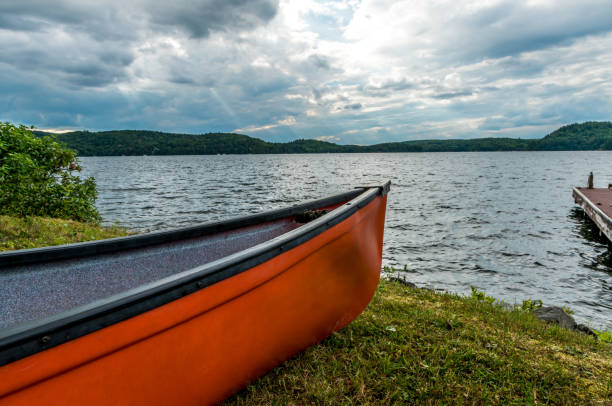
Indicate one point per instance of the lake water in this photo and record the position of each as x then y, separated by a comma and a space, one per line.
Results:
504, 222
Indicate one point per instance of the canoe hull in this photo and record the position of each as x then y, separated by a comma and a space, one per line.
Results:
204, 347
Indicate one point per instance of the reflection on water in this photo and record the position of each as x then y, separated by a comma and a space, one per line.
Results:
502, 221
589, 231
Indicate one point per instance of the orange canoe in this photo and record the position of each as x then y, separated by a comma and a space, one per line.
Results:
187, 316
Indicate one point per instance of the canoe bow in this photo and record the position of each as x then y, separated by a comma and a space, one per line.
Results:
197, 336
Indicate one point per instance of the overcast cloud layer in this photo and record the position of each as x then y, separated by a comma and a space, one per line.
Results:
345, 71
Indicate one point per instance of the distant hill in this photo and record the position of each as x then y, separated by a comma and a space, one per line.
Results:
585, 136
132, 142
592, 135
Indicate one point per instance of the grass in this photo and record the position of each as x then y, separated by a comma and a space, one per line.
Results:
32, 232
415, 346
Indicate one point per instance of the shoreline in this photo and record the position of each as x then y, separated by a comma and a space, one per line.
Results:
34, 232
418, 346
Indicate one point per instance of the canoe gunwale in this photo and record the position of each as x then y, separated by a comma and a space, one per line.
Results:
88, 248
32, 337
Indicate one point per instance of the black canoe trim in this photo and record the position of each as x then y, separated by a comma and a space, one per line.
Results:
32, 337
89, 248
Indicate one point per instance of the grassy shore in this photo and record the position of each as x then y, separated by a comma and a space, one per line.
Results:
32, 232
415, 346
410, 346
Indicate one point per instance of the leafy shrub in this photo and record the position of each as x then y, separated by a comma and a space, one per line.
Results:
604, 336
37, 178
530, 305
481, 296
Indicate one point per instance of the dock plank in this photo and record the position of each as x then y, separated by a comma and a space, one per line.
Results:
597, 204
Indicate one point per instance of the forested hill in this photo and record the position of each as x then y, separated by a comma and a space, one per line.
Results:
585, 136
129, 142
592, 135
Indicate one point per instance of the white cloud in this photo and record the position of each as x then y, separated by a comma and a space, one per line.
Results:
289, 121
327, 138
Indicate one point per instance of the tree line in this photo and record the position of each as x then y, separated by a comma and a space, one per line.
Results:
584, 136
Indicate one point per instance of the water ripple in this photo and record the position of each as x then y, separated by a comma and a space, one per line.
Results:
504, 222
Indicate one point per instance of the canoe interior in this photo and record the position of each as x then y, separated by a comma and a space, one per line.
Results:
35, 291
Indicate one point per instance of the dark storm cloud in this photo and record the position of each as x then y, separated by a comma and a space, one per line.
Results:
319, 61
452, 95
201, 17
511, 27
182, 80
108, 20
117, 18
30, 14
72, 60
388, 87
26, 99
9, 22
92, 44
259, 81
521, 67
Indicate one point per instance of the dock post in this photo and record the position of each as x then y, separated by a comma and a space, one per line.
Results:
590, 184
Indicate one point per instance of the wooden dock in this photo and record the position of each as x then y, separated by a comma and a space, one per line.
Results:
597, 204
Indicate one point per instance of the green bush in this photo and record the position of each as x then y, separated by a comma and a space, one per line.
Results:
481, 296
38, 178
532, 305
605, 336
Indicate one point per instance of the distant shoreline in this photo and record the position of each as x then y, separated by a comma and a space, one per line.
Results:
589, 136
333, 153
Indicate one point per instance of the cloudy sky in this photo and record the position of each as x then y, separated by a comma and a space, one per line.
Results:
347, 71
